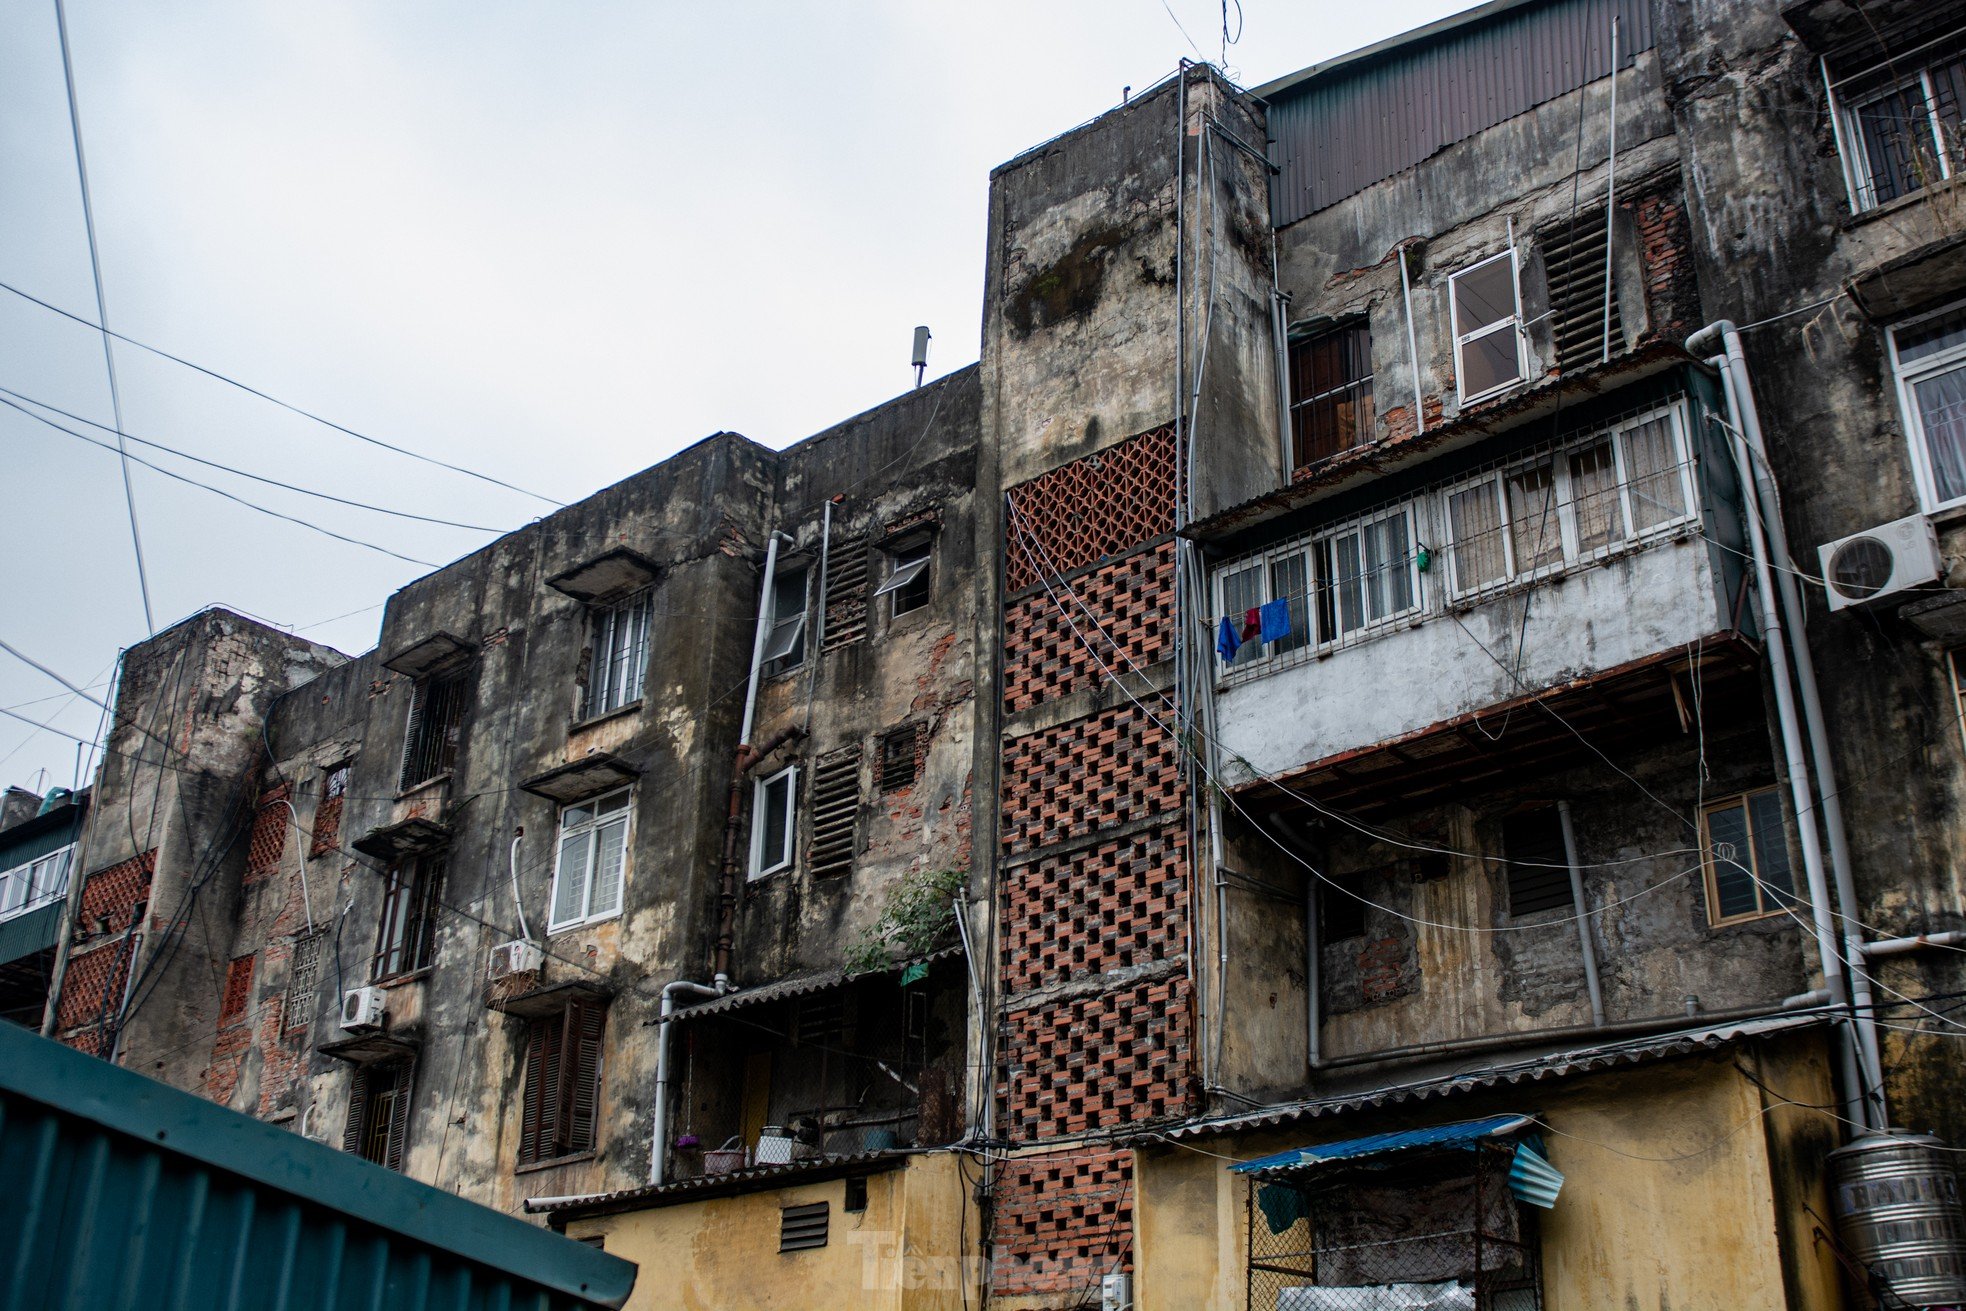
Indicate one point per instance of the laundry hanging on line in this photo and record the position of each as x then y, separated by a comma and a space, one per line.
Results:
1258, 624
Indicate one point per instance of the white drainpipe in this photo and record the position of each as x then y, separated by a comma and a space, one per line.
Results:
659, 1140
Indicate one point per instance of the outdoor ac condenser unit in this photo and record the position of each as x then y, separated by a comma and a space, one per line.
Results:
361, 1010
1880, 561
509, 958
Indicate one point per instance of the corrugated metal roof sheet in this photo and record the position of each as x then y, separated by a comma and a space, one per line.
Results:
1355, 121
753, 1179
124, 1193
1439, 1137
1556, 1065
799, 985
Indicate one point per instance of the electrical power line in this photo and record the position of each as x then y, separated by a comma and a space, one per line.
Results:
258, 478
102, 307
275, 400
216, 491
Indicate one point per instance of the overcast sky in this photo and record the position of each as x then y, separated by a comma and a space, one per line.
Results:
550, 242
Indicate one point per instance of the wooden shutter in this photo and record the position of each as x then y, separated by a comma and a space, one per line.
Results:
358, 1107
586, 1022
399, 1116
539, 1136
413, 736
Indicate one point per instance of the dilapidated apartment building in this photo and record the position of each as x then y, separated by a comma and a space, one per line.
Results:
1401, 730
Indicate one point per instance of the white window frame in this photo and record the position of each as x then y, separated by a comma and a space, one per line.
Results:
32, 883
1571, 553
1512, 324
764, 862
590, 831
1846, 114
799, 623
1907, 376
613, 685
906, 561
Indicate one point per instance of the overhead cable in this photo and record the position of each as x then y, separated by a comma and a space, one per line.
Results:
275, 400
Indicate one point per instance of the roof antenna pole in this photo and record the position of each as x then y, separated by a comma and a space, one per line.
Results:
921, 352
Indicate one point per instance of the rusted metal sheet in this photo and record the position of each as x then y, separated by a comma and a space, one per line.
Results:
1360, 120
125, 1193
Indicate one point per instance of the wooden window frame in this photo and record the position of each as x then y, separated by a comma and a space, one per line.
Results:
406, 929
436, 720
386, 1087
1766, 902
1351, 342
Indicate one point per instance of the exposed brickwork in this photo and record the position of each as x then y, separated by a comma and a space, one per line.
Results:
1107, 907
92, 988
1131, 599
1091, 508
1061, 1222
1085, 775
111, 897
1665, 249
269, 840
238, 989
327, 815
1113, 1058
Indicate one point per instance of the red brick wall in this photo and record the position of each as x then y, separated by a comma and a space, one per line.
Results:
92, 987
1108, 907
269, 840
1097, 1062
1087, 774
1665, 249
111, 896
1063, 1220
1126, 621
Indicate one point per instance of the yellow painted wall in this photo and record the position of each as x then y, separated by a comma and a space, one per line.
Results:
908, 1251
1670, 1200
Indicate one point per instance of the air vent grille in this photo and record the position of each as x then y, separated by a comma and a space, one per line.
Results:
835, 812
802, 1227
1573, 260
846, 594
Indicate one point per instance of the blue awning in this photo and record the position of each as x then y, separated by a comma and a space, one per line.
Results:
1463, 1135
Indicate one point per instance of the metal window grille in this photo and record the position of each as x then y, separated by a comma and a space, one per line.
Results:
436, 713
379, 1113
562, 1083
620, 662
409, 916
901, 757
835, 813
303, 975
1538, 864
1448, 1228
1575, 266
1331, 407
1899, 123
802, 1227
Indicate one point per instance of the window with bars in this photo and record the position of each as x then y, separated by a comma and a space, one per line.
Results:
409, 916
901, 756
436, 714
562, 1083
379, 1113
835, 813
303, 976
1538, 863
327, 815
1929, 357
774, 819
1584, 312
1485, 305
1330, 393
1746, 854
785, 643
1900, 122
619, 664
591, 865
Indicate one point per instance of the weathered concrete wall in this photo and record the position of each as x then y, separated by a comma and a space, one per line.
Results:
1674, 1195
904, 1252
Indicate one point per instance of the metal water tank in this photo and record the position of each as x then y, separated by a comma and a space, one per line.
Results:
1897, 1202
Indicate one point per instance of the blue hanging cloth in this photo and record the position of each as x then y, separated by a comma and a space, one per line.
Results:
1276, 620
1226, 642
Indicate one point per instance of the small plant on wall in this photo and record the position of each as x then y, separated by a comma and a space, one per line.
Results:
919, 910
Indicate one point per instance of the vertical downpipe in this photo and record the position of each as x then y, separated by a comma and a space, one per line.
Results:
1610, 189
1583, 917
1412, 345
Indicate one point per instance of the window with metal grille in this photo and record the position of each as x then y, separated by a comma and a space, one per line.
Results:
409, 916
327, 815
1538, 863
379, 1113
907, 583
900, 757
774, 819
303, 973
1331, 393
1746, 853
835, 813
846, 593
1578, 274
621, 651
785, 642
436, 713
1899, 121
562, 1082
1929, 357
590, 868
1485, 303
802, 1227
238, 989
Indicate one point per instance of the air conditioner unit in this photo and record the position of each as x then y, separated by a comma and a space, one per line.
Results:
362, 1010
509, 958
1874, 564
